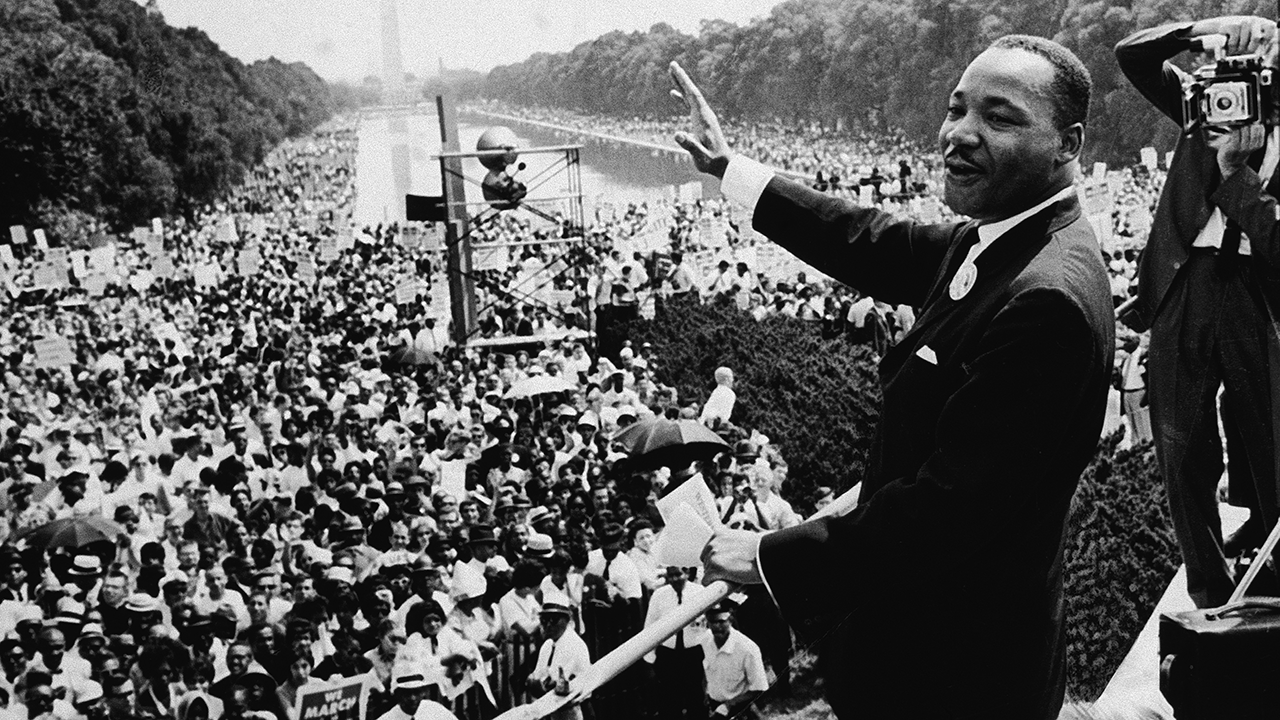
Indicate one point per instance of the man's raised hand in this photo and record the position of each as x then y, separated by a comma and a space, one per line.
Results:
705, 141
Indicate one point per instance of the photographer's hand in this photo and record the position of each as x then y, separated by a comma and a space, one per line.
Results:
1245, 34
1235, 145
706, 143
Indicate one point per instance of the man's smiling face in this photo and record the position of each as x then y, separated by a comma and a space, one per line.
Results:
1000, 142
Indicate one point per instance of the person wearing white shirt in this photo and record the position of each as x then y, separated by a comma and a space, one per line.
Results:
518, 609
720, 405
562, 657
610, 564
733, 666
641, 553
677, 662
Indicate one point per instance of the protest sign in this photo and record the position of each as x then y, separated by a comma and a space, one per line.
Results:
328, 249
453, 477
346, 240
206, 275
432, 239
95, 284
344, 700
53, 351
407, 290
162, 266
78, 265
1099, 169
103, 257
18, 234
1149, 158
489, 258
249, 261
6, 256
307, 271
258, 226
140, 234
41, 241
227, 230
157, 227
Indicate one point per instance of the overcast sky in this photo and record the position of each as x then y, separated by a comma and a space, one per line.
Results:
341, 39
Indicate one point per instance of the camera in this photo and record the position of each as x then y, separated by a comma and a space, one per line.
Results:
1230, 92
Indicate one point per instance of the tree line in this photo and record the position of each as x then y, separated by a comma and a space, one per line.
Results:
879, 65
108, 112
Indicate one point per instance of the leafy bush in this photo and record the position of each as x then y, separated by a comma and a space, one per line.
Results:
1121, 554
818, 400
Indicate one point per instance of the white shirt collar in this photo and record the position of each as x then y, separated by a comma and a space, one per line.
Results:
988, 233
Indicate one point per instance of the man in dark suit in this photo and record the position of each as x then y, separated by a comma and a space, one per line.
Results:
1207, 289
940, 594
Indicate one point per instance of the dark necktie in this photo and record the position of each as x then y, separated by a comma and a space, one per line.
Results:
680, 632
551, 655
605, 576
967, 240
1229, 253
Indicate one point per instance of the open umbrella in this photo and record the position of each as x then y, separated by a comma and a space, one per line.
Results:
657, 442
410, 355
72, 532
539, 385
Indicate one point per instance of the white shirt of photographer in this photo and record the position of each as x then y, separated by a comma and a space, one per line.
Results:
1211, 234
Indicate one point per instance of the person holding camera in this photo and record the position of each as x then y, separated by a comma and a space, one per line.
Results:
1208, 291
992, 405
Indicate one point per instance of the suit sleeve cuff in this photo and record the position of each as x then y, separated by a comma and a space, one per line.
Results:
760, 569
744, 181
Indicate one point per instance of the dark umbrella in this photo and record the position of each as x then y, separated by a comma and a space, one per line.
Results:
657, 442
410, 355
72, 532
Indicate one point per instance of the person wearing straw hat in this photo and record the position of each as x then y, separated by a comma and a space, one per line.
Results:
562, 657
409, 688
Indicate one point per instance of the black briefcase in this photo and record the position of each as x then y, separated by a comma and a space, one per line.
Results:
1224, 663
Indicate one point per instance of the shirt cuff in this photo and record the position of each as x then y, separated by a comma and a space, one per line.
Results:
744, 181
760, 569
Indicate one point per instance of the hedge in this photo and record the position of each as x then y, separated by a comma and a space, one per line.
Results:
819, 399
816, 399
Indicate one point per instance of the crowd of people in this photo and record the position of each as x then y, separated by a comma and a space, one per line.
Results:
305, 482
308, 481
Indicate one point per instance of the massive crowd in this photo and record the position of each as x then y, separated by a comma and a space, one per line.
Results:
307, 481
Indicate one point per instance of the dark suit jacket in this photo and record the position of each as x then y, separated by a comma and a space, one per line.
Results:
1194, 185
940, 595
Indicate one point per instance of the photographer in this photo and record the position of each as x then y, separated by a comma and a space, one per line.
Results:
1207, 291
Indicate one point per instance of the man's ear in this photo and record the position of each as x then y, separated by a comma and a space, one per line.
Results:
1070, 142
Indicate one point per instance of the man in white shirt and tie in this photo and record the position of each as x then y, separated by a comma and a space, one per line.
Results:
562, 657
677, 662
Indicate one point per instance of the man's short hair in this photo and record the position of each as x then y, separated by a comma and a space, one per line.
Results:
1071, 86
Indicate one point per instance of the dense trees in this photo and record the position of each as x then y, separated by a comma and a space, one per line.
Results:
108, 111
877, 64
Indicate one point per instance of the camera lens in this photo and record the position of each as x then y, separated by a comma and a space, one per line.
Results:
1225, 102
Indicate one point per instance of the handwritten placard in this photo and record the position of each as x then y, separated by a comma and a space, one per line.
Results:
53, 351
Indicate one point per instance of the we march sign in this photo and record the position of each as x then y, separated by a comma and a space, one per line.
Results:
345, 701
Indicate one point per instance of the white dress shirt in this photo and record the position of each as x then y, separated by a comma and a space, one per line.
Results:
733, 668
624, 577
665, 601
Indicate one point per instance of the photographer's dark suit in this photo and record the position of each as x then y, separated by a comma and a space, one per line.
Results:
1210, 327
940, 594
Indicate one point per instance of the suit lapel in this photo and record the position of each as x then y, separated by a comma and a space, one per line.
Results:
1022, 241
